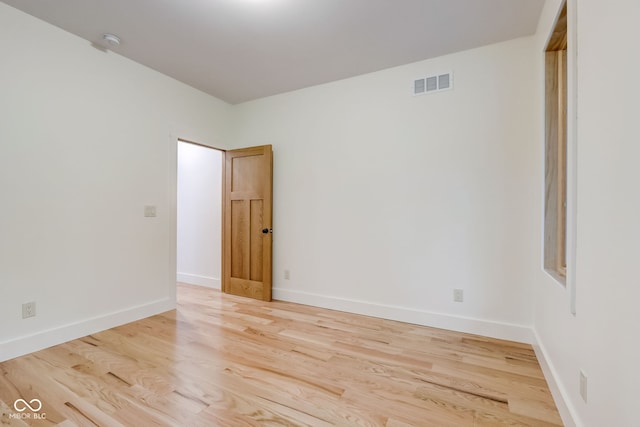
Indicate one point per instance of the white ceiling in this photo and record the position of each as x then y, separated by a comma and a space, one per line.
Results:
238, 50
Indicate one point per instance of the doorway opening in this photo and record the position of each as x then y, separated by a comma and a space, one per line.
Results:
199, 215
224, 218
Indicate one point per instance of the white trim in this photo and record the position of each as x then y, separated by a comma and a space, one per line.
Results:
195, 279
572, 151
49, 337
560, 395
490, 328
172, 197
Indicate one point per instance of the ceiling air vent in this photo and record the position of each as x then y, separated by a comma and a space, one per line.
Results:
431, 84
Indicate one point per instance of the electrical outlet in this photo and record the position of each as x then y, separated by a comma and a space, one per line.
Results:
287, 274
150, 211
458, 295
583, 386
28, 309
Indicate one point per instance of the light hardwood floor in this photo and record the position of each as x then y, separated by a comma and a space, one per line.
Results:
228, 361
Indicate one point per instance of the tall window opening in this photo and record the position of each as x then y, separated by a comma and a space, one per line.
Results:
555, 209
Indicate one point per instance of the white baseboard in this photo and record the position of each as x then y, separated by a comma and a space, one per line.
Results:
54, 336
194, 279
489, 328
558, 391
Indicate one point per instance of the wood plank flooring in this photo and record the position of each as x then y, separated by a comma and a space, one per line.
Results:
220, 360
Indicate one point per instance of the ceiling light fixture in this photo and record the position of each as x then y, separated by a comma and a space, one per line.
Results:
111, 40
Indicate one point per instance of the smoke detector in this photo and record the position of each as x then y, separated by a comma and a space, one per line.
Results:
111, 40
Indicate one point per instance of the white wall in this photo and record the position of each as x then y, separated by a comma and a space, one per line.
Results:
85, 144
386, 202
199, 215
602, 339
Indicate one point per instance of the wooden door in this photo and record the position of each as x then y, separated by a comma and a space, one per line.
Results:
246, 231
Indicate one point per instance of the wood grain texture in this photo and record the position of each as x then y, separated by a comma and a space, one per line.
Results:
561, 258
221, 360
552, 173
241, 236
256, 245
247, 207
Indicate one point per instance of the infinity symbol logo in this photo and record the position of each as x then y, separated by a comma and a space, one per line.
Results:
26, 405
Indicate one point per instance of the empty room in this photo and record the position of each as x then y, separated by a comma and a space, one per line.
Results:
319, 213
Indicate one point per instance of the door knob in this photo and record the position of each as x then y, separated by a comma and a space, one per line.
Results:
267, 230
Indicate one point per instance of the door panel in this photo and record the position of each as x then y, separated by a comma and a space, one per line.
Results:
246, 174
240, 240
255, 240
247, 208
